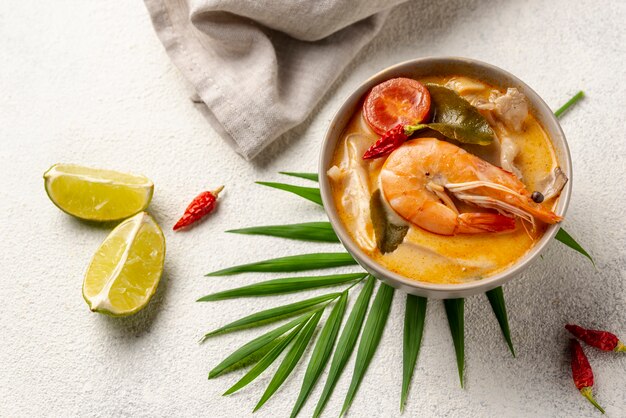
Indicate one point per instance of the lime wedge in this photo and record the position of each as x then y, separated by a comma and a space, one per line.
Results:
125, 271
97, 195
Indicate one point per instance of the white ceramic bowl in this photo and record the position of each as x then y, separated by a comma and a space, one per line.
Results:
443, 66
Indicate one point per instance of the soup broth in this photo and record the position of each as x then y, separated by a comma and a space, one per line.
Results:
427, 256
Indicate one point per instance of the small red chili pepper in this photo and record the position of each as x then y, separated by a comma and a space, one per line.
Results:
391, 140
200, 206
582, 373
603, 340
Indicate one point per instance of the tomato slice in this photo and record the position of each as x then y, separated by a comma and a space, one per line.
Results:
396, 101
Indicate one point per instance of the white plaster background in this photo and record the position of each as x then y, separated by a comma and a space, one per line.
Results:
89, 83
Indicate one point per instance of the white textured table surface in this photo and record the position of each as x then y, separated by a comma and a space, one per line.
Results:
89, 83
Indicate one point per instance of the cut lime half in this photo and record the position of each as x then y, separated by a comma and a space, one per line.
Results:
125, 271
97, 195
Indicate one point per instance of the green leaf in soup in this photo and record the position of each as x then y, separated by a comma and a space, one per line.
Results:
455, 118
388, 235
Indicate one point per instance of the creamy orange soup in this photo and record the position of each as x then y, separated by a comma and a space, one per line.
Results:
429, 257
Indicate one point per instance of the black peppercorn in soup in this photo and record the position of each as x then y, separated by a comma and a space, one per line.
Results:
445, 179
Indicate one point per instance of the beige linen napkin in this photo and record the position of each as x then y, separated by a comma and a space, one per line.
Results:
260, 66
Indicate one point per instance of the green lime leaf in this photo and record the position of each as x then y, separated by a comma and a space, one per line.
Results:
496, 299
567, 239
577, 97
455, 314
414, 316
388, 235
291, 359
309, 193
346, 343
285, 285
255, 345
266, 361
372, 332
455, 118
292, 263
311, 231
274, 314
308, 176
321, 352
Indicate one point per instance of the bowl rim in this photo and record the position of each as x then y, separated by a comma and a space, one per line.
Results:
441, 290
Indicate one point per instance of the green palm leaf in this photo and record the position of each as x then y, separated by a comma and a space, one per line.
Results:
255, 345
309, 193
577, 97
266, 361
299, 332
321, 352
346, 343
414, 316
291, 359
567, 239
285, 285
372, 332
562, 235
455, 314
310, 231
291, 263
274, 314
308, 176
496, 299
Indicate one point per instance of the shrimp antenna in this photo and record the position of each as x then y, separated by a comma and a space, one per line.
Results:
459, 187
490, 202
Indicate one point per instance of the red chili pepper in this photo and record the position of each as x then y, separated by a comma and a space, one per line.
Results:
603, 340
391, 140
200, 206
582, 373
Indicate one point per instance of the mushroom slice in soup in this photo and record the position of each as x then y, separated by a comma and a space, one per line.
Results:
351, 174
508, 152
464, 85
552, 184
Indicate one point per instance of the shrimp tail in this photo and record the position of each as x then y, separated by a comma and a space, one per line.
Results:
476, 223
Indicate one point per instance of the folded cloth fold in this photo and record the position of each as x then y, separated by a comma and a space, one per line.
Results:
260, 66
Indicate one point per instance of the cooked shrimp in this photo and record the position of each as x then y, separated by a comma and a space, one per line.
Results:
416, 177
